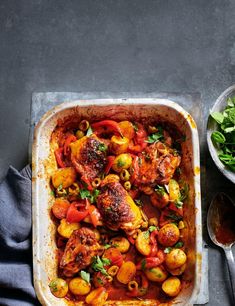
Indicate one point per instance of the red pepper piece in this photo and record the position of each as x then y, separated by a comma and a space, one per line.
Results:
69, 139
151, 262
139, 142
153, 242
74, 215
59, 157
107, 125
110, 160
178, 210
131, 240
87, 182
94, 214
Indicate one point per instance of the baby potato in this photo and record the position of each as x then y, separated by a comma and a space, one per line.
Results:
64, 177
60, 208
175, 258
122, 161
119, 144
126, 272
168, 235
58, 287
172, 286
79, 286
174, 190
65, 229
159, 199
97, 297
120, 243
156, 274
127, 129
177, 271
142, 243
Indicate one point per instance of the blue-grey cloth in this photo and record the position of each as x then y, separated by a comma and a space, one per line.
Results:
16, 281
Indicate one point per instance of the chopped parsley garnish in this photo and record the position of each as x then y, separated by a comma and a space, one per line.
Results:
135, 126
53, 286
179, 244
143, 264
102, 147
60, 187
99, 263
107, 246
152, 228
168, 249
138, 202
160, 190
146, 234
86, 194
85, 275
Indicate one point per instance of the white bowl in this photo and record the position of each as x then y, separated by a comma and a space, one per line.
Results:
212, 126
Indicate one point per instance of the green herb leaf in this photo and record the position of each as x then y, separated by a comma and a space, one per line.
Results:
98, 264
218, 137
143, 264
154, 137
152, 228
160, 190
218, 117
85, 275
230, 102
102, 147
84, 194
106, 261
174, 217
89, 131
53, 286
146, 234
138, 202
231, 115
107, 246
60, 187
179, 244
167, 250
52, 193
135, 126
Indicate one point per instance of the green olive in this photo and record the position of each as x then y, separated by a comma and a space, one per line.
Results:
125, 175
79, 134
127, 185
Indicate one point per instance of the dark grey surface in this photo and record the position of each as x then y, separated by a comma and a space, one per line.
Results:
165, 46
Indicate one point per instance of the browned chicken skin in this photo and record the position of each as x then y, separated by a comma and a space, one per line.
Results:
80, 248
118, 209
88, 160
157, 166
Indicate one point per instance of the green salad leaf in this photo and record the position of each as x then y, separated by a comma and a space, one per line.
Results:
224, 137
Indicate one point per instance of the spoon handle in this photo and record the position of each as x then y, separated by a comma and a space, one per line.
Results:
231, 268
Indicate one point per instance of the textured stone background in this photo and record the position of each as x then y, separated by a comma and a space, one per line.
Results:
119, 46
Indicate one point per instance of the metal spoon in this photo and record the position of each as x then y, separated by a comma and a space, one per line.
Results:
221, 210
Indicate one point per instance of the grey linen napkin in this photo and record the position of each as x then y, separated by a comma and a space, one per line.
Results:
16, 282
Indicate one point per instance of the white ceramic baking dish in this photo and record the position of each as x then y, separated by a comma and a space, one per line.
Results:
44, 248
